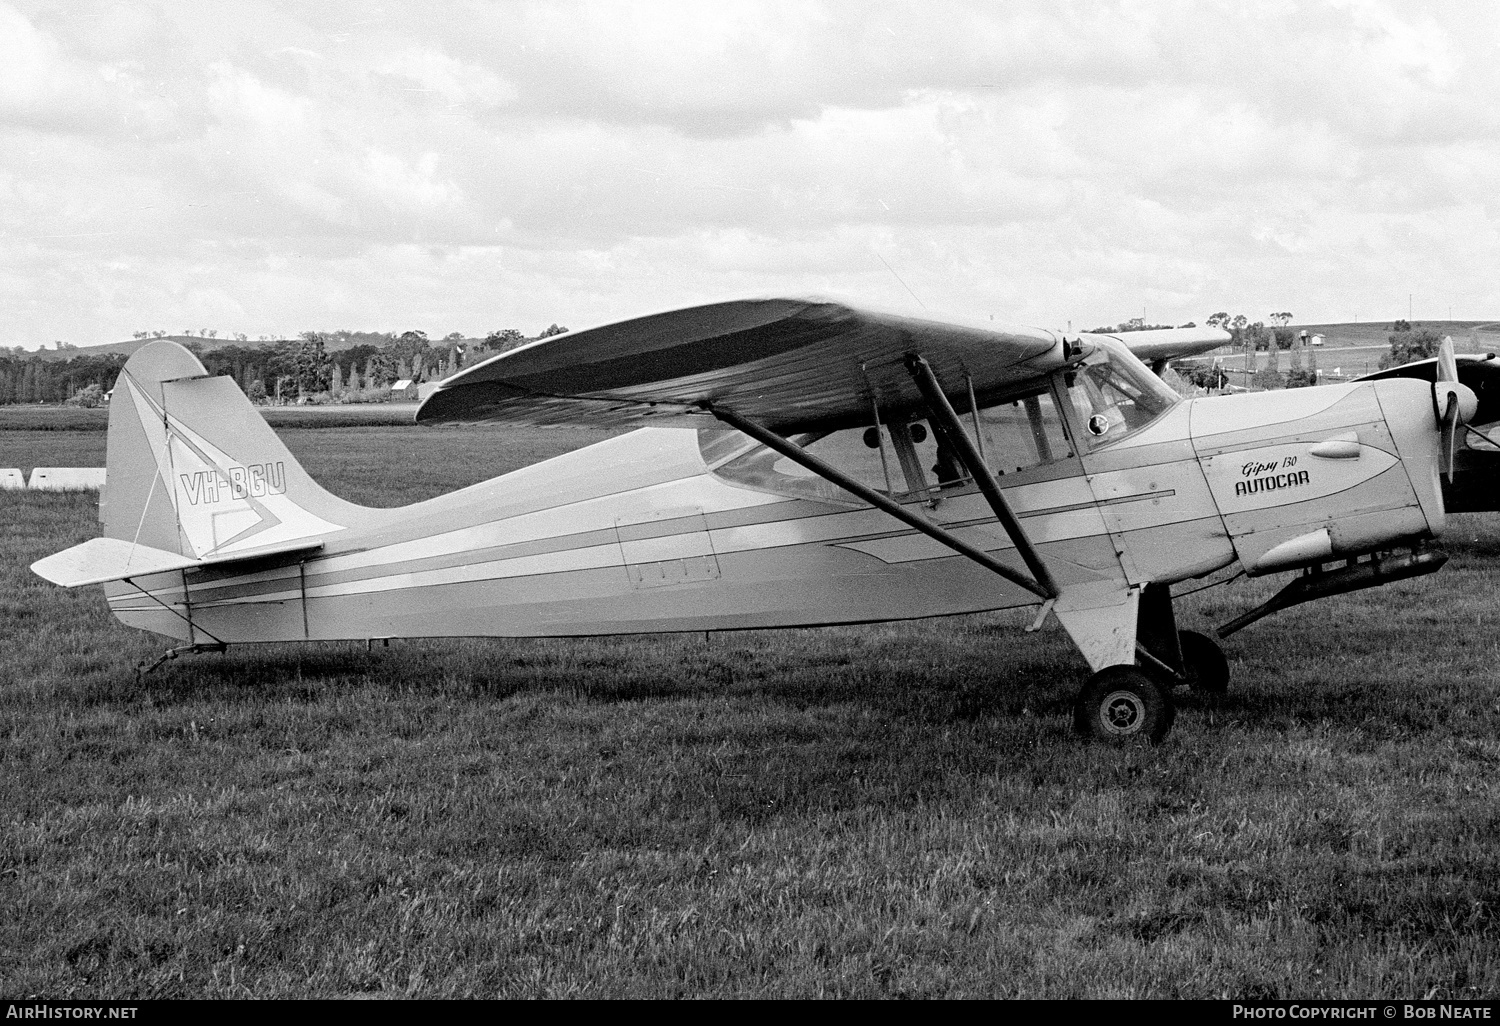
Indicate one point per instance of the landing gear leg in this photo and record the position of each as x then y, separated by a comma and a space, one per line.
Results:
1130, 640
1176, 657
1204, 665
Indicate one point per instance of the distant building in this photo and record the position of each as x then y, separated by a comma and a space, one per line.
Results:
406, 388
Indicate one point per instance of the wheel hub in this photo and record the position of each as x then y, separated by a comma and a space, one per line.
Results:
1124, 712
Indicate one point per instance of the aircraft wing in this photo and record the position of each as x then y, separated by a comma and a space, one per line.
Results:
1170, 343
789, 364
99, 560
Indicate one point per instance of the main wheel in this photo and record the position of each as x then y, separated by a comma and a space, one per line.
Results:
1120, 703
1203, 659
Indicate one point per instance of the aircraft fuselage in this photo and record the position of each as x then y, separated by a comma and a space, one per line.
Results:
640, 534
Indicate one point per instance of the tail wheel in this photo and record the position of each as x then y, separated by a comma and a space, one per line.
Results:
1122, 704
1203, 659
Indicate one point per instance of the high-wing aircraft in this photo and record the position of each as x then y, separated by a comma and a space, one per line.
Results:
801, 462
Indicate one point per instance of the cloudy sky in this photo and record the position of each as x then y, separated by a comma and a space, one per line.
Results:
269, 168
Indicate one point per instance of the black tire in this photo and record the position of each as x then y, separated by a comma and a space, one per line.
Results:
1121, 704
1207, 670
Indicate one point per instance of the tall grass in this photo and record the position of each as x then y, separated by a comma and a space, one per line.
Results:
889, 810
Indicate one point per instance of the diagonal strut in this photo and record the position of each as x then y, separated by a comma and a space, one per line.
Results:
803, 458
952, 431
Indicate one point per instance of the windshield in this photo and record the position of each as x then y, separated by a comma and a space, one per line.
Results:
1116, 394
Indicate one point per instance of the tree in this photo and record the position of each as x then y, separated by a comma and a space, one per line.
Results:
409, 346
1268, 378
1204, 376
256, 393
312, 367
1301, 377
1281, 319
1411, 345
1285, 338
90, 397
378, 370
1401, 325
1219, 320
553, 330
503, 339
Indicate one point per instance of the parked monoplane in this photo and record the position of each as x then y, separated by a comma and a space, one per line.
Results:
838, 465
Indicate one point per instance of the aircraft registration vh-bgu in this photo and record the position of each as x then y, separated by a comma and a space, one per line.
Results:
841, 466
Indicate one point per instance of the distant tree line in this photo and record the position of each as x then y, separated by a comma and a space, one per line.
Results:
1246, 333
1134, 324
27, 378
332, 366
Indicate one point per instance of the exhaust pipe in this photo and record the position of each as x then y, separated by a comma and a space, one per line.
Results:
1316, 583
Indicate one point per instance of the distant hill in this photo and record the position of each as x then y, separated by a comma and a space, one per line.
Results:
131, 345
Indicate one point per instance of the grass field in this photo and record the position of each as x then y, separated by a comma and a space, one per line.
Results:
896, 809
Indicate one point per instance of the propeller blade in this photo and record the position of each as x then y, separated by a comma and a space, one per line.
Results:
1451, 421
1447, 363
1454, 404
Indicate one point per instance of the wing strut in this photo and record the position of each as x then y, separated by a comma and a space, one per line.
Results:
952, 432
802, 457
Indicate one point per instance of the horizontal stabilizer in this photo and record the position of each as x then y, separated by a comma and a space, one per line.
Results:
100, 560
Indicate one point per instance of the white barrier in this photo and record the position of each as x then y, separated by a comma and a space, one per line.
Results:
67, 479
11, 478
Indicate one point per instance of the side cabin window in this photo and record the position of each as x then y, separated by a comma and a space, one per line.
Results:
1022, 433
901, 458
744, 461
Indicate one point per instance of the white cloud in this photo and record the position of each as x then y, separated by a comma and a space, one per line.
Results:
454, 82
525, 163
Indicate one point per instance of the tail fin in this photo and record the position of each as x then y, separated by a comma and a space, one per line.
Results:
193, 469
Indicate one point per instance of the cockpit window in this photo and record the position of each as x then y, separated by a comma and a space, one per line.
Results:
1114, 394
1111, 392
901, 458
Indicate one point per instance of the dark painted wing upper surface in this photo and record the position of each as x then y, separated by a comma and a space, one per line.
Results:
790, 364
1169, 343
